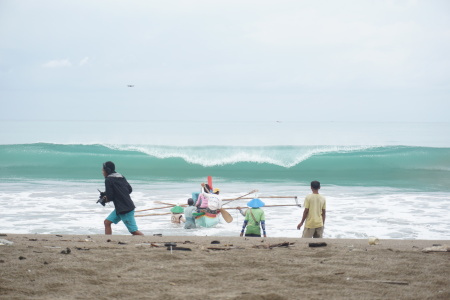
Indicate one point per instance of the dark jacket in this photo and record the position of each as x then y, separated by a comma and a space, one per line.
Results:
118, 190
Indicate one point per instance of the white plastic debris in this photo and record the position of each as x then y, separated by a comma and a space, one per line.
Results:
5, 242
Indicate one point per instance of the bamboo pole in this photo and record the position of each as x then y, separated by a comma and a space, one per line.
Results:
166, 203
227, 208
153, 214
273, 197
154, 208
254, 191
267, 206
229, 200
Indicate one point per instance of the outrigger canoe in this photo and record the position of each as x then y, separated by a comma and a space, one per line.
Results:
208, 219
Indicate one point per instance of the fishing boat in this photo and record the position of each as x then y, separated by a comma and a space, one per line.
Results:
207, 220
211, 217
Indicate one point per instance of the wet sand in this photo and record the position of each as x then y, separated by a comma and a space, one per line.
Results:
142, 267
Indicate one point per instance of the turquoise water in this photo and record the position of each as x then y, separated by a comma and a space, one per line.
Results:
383, 179
422, 168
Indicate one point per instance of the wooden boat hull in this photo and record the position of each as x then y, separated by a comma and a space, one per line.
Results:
207, 220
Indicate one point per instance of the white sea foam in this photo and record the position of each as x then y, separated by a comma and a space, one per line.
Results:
70, 208
208, 156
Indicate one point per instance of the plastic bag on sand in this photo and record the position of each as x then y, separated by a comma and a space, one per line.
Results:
5, 242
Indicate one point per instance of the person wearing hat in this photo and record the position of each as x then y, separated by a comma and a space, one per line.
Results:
214, 202
177, 214
118, 190
209, 200
188, 215
254, 219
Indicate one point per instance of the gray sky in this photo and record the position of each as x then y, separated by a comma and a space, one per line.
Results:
227, 60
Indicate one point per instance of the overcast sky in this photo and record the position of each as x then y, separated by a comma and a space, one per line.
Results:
227, 60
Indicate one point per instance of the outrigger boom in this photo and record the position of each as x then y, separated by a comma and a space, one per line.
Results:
271, 197
209, 219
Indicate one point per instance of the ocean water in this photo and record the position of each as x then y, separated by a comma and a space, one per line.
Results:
389, 180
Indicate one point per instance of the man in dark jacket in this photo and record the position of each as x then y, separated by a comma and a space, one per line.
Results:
118, 191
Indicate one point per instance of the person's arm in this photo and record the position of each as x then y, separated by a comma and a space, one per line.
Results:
263, 226
263, 223
245, 223
243, 227
240, 210
205, 188
199, 200
109, 190
323, 216
305, 215
129, 188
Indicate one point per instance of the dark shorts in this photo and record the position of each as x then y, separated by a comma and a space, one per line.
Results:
252, 235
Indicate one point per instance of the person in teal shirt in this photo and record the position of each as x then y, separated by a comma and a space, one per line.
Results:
254, 219
188, 211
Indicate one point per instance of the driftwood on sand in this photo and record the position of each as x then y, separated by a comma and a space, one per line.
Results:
437, 248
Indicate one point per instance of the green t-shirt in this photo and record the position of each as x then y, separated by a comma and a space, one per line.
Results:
252, 226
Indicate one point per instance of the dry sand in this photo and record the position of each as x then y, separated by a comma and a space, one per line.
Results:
141, 267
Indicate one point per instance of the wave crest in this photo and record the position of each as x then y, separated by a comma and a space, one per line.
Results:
211, 156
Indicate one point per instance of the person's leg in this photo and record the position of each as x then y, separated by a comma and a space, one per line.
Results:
112, 218
318, 233
308, 233
108, 229
129, 221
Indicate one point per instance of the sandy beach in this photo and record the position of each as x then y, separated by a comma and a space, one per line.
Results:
143, 267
